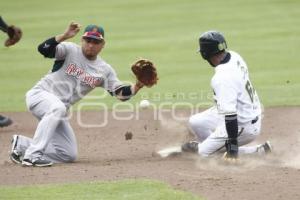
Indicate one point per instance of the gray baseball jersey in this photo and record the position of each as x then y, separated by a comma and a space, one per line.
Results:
78, 75
49, 99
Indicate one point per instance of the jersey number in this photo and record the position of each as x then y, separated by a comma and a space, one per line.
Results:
250, 90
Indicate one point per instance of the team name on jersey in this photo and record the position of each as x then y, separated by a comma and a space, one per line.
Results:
82, 76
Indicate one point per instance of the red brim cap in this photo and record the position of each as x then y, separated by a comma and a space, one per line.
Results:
93, 35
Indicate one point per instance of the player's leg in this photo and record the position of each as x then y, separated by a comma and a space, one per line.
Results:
204, 124
19, 144
215, 142
249, 134
50, 110
63, 146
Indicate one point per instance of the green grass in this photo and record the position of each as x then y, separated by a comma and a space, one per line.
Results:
264, 32
118, 190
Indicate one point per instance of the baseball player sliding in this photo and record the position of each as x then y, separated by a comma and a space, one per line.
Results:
235, 120
77, 70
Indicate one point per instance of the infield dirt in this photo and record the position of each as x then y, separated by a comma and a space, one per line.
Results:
105, 154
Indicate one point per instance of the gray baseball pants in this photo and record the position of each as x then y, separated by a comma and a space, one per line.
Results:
54, 138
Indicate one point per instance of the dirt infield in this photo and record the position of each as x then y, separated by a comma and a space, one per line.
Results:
105, 154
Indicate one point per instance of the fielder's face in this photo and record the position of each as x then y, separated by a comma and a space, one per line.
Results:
91, 47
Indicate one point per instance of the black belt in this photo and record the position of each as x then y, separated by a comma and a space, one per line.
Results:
254, 120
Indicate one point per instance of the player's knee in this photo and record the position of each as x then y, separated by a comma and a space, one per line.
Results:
59, 109
69, 156
72, 157
193, 123
72, 154
198, 127
196, 124
203, 152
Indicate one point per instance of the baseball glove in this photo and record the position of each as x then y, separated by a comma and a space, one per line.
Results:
145, 72
14, 35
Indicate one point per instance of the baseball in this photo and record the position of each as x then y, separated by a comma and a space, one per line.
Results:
144, 104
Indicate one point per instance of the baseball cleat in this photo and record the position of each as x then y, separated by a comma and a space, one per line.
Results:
265, 148
38, 162
15, 156
5, 121
191, 146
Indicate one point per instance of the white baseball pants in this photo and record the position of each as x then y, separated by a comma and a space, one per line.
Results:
210, 130
54, 138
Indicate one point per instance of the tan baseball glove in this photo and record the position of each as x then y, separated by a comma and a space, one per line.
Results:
145, 72
14, 35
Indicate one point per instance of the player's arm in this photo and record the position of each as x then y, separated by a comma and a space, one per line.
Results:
125, 92
118, 89
3, 25
70, 32
231, 143
226, 97
48, 47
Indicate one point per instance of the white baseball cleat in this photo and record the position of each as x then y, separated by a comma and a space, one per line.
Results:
265, 148
15, 156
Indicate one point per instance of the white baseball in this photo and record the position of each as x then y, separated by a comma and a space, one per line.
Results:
144, 103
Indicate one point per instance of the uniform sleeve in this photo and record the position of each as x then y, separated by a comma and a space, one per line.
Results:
62, 50
48, 47
225, 95
112, 81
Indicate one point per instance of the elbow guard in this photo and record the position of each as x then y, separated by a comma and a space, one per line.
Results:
231, 143
124, 92
48, 47
231, 126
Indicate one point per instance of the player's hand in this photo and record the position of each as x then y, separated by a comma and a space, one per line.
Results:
231, 154
229, 159
138, 85
72, 30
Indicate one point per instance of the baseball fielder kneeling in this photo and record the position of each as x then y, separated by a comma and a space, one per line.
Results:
77, 70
